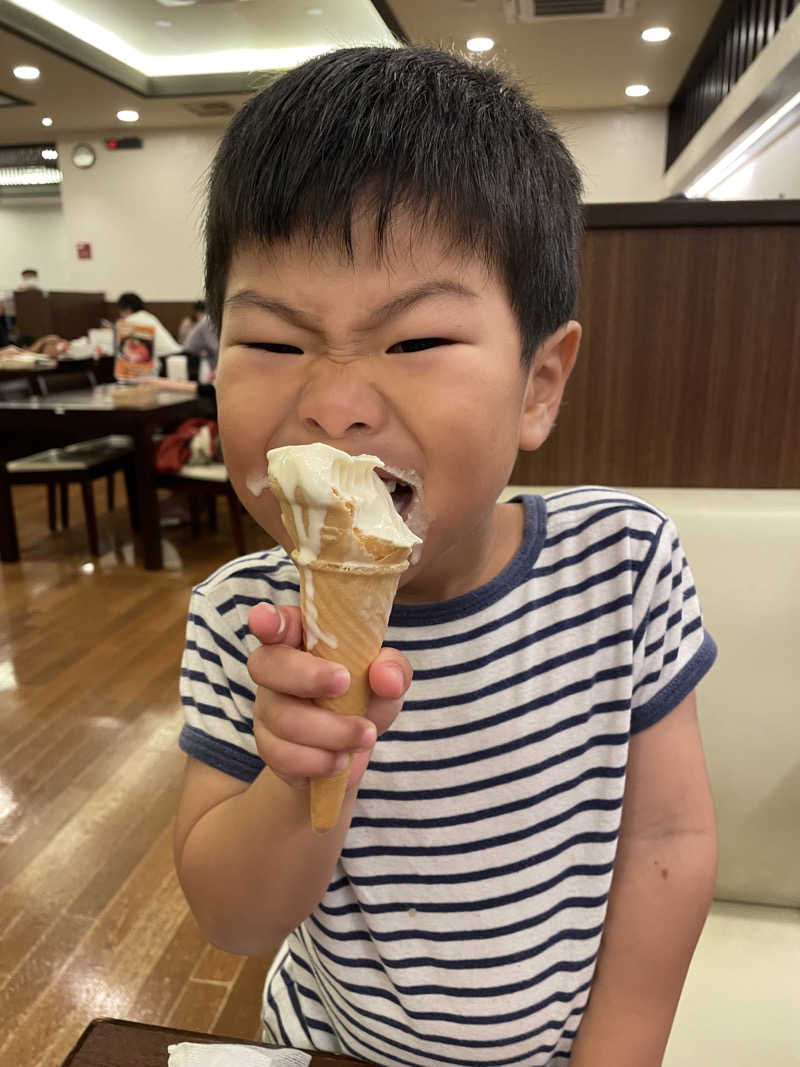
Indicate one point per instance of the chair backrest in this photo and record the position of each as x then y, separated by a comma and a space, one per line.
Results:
34, 314
15, 389
62, 383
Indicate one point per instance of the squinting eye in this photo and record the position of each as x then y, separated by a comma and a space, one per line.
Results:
418, 344
266, 346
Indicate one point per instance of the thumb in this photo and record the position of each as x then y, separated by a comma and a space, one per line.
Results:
276, 625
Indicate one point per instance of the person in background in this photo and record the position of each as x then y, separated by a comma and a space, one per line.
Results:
30, 279
131, 307
188, 322
203, 342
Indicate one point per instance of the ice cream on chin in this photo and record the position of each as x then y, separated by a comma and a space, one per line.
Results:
351, 547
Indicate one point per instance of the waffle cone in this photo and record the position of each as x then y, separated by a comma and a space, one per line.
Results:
348, 608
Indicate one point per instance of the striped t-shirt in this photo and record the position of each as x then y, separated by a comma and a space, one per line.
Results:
463, 919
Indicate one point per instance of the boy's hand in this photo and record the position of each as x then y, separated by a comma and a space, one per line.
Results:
296, 739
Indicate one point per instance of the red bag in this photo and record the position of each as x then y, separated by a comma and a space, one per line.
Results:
173, 450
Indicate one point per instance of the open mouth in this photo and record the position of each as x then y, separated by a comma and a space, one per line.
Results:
401, 492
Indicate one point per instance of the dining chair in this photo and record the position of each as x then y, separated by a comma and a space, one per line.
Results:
207, 481
82, 463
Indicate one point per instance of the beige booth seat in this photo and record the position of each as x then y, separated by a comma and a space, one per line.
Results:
741, 1002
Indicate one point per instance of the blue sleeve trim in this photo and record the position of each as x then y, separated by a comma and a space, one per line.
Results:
677, 688
221, 755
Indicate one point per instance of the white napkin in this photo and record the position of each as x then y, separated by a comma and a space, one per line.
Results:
187, 1054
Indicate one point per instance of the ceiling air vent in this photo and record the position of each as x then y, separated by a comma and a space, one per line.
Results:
537, 10
211, 109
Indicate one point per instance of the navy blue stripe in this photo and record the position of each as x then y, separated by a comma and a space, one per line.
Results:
455, 700
484, 934
482, 991
464, 817
483, 874
649, 556
598, 546
478, 785
593, 804
376, 1040
535, 605
482, 963
592, 520
470, 1020
204, 653
214, 712
219, 689
627, 504
562, 626
455, 907
221, 642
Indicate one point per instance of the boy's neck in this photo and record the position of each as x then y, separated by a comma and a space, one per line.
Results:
474, 561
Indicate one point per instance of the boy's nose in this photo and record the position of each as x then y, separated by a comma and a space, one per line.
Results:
337, 401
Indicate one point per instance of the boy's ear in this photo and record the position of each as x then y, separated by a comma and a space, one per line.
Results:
547, 377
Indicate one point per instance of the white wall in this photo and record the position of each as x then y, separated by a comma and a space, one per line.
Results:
620, 151
34, 235
774, 174
141, 212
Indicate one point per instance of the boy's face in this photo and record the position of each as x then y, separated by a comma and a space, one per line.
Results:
415, 359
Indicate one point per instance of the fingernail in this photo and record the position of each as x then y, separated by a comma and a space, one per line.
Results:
340, 681
281, 618
397, 671
342, 762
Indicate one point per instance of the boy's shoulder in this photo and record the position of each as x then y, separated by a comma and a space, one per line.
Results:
590, 503
247, 580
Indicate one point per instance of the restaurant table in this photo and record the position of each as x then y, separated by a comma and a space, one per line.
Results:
119, 1043
83, 414
102, 368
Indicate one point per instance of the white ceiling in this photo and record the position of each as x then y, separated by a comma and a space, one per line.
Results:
566, 63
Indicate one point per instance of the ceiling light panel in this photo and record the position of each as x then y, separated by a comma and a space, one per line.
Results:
129, 34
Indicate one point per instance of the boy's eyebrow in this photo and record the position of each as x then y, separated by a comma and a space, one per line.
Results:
402, 302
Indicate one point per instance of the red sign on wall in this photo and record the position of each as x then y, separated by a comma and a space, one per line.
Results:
84, 250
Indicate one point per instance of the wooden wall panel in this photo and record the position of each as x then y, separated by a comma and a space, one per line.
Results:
689, 371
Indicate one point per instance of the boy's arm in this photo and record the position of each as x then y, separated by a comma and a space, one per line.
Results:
248, 861
660, 895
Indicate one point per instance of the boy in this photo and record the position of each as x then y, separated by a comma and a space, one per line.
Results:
392, 257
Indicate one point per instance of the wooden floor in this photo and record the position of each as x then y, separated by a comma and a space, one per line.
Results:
92, 920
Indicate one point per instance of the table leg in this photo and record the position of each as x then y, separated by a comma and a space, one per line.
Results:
149, 516
9, 546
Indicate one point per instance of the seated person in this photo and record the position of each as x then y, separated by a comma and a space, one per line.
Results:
131, 308
203, 342
188, 322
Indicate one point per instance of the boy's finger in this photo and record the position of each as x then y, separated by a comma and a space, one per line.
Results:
296, 673
276, 625
389, 678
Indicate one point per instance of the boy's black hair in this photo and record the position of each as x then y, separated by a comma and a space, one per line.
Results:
456, 143
30, 270
130, 302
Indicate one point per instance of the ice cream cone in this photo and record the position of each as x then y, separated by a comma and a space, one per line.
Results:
351, 548
349, 608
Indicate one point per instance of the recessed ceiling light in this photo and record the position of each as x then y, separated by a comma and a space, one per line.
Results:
127, 115
480, 44
26, 74
163, 24
47, 121
49, 153
637, 90
656, 33
315, 11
